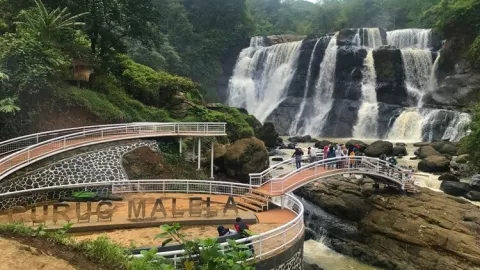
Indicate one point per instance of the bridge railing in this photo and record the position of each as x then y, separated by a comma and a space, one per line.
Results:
365, 165
25, 156
265, 244
18, 143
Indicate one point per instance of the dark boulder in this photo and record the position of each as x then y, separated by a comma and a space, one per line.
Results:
462, 159
245, 156
455, 188
277, 159
391, 87
473, 196
362, 145
445, 148
348, 73
378, 148
276, 152
400, 144
268, 134
300, 139
322, 144
449, 177
475, 184
307, 266
426, 151
421, 144
399, 151
434, 164
291, 145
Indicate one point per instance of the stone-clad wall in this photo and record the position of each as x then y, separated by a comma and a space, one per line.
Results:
101, 165
289, 259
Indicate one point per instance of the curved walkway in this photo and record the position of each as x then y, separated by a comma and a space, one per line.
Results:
277, 180
31, 148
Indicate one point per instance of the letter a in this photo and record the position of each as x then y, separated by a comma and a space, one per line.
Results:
158, 207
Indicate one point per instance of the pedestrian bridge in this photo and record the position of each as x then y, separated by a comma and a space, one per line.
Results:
22, 151
284, 177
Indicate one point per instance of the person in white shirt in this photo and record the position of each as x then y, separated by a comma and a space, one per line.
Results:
312, 153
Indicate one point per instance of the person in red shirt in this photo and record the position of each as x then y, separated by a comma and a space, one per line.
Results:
242, 228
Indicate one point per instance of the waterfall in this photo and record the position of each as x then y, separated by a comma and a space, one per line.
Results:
294, 127
407, 127
410, 38
257, 42
433, 81
367, 123
444, 124
374, 37
324, 90
261, 77
418, 68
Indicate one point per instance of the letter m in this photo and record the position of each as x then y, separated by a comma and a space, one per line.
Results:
132, 208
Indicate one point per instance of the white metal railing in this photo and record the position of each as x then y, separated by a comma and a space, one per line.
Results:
265, 244
287, 181
18, 143
43, 149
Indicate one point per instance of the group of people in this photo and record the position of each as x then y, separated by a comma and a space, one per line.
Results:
329, 151
241, 228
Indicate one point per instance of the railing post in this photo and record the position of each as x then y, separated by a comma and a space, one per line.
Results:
102, 134
210, 184
231, 189
163, 187
37, 138
260, 248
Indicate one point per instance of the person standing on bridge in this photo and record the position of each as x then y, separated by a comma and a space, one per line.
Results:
312, 153
298, 157
338, 155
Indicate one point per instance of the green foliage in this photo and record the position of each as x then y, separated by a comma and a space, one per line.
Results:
207, 253
46, 23
474, 53
151, 87
84, 194
105, 251
470, 143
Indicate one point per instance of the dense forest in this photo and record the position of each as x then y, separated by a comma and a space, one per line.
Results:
147, 53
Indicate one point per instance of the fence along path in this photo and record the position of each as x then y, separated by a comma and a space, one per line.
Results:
283, 177
22, 151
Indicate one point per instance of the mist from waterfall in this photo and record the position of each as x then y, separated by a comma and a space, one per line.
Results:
410, 38
261, 77
324, 87
367, 123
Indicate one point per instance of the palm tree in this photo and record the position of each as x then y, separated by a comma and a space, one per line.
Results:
44, 23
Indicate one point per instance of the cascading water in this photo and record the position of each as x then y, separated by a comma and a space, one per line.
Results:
374, 37
294, 126
410, 38
323, 100
418, 69
316, 251
367, 123
444, 125
261, 77
407, 127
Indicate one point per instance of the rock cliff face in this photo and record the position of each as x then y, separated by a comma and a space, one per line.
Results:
428, 230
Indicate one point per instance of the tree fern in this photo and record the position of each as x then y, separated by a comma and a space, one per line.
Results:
45, 23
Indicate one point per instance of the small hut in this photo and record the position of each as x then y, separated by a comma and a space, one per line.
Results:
81, 73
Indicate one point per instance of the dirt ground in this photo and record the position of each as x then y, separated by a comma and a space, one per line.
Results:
38, 254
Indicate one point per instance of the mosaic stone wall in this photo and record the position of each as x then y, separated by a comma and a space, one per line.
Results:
295, 263
101, 165
289, 259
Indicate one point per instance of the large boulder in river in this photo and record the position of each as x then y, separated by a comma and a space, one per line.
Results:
362, 145
434, 164
426, 151
473, 196
245, 156
391, 231
445, 148
378, 148
399, 151
322, 144
462, 159
449, 177
455, 188
268, 134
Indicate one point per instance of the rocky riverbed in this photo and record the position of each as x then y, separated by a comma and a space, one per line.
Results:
428, 230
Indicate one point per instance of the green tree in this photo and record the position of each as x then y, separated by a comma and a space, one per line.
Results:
44, 23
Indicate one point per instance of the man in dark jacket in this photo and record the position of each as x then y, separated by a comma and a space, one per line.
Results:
242, 228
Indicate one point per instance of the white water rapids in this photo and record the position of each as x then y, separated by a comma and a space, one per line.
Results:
261, 77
